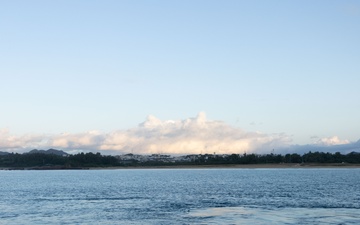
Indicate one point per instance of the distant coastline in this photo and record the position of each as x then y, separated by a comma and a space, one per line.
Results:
240, 166
218, 166
53, 159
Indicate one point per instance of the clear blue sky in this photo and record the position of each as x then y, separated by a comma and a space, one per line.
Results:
268, 66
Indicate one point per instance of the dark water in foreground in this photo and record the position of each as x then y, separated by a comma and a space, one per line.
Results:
181, 196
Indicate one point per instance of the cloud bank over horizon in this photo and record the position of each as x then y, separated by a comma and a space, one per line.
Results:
196, 135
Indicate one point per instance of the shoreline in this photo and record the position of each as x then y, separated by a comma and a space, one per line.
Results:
216, 166
242, 166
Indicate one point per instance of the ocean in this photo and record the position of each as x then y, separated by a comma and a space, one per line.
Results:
181, 196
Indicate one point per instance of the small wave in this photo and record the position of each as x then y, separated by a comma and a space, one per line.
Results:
244, 215
90, 199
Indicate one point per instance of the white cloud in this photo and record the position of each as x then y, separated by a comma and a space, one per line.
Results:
86, 140
329, 141
189, 136
17, 143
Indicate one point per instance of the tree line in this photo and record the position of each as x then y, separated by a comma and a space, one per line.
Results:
310, 157
51, 160
81, 160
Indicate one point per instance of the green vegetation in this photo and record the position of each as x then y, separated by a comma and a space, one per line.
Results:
57, 161
87, 160
315, 157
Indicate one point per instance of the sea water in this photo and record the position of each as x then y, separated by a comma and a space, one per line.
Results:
181, 196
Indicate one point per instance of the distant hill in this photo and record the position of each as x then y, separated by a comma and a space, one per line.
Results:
49, 151
4, 153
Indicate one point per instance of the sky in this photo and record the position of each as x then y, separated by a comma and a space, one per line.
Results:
179, 76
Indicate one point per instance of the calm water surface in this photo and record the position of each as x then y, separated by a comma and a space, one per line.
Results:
181, 196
